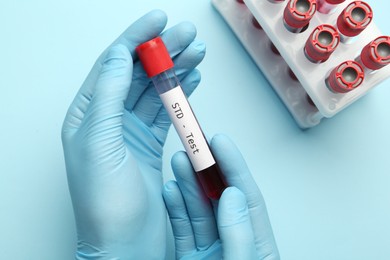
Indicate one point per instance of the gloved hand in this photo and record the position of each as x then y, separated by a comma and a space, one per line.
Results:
235, 227
113, 137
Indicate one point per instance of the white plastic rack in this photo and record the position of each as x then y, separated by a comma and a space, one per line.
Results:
279, 53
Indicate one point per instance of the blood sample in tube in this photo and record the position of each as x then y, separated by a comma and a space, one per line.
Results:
240, 1
158, 65
328, 6
376, 54
297, 14
321, 43
353, 20
345, 77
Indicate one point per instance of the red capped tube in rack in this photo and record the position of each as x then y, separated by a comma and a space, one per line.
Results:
345, 77
321, 43
297, 14
376, 54
353, 20
328, 6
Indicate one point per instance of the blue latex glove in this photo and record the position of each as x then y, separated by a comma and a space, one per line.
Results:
236, 227
113, 137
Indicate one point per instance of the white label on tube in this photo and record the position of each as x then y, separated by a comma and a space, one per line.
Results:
187, 127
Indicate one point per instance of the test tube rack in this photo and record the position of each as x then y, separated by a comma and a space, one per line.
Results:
279, 55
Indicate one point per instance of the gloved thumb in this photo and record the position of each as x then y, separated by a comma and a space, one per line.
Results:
234, 226
111, 89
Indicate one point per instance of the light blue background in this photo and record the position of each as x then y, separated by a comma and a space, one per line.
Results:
327, 189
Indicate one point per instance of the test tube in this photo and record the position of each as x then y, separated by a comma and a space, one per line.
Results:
321, 43
328, 6
240, 1
297, 14
158, 65
353, 20
376, 54
345, 77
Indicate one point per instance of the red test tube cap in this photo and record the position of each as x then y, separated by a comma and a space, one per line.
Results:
345, 77
354, 18
321, 43
154, 57
298, 13
376, 54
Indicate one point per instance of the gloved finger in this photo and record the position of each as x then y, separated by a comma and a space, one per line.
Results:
189, 84
149, 103
236, 173
234, 226
145, 28
198, 206
104, 113
190, 57
180, 221
176, 39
